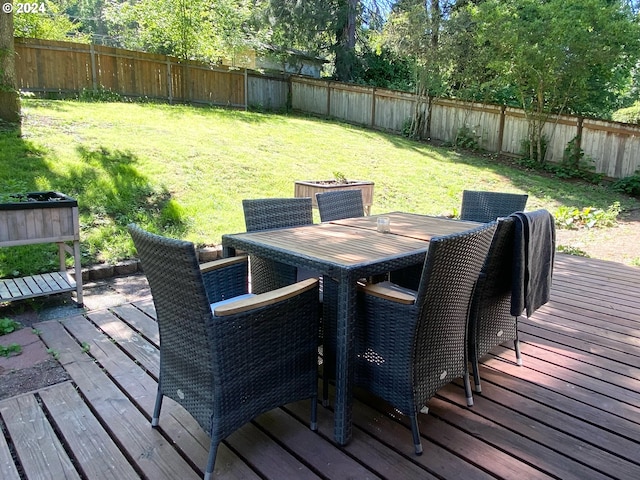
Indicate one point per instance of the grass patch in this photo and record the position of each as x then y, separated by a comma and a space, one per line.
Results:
183, 171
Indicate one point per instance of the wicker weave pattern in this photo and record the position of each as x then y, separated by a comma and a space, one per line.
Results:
340, 204
488, 206
225, 370
490, 320
405, 353
265, 214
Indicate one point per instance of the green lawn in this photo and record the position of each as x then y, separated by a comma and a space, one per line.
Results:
183, 171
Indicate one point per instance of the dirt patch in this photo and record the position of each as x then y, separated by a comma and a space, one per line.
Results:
33, 378
618, 244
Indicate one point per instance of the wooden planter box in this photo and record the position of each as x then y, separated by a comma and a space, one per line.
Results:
42, 217
309, 188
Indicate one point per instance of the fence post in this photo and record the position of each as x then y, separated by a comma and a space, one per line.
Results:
246, 90
169, 81
428, 119
373, 108
94, 73
328, 98
503, 113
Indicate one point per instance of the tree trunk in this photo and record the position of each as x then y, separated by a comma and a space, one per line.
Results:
346, 40
9, 98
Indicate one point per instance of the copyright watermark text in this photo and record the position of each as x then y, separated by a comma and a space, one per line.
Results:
19, 8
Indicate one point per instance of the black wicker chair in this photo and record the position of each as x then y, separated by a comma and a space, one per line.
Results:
268, 213
411, 343
488, 206
490, 321
227, 364
340, 204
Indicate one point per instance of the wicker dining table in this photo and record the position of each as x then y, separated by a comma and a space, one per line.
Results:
347, 250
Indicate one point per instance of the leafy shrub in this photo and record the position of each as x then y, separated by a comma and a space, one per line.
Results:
531, 161
467, 138
588, 217
629, 185
628, 115
572, 251
574, 164
8, 326
100, 94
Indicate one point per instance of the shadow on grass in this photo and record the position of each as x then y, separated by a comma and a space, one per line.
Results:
110, 191
110, 187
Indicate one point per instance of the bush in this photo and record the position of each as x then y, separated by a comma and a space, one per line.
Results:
100, 94
629, 185
628, 115
467, 138
588, 217
575, 164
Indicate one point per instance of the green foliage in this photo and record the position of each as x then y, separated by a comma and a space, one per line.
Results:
575, 164
530, 155
467, 138
629, 185
7, 351
340, 177
100, 94
54, 353
588, 217
8, 325
584, 57
196, 29
572, 251
52, 24
386, 69
628, 115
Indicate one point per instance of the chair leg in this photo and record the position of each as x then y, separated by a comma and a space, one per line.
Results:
467, 389
213, 450
516, 345
314, 413
415, 432
476, 375
155, 420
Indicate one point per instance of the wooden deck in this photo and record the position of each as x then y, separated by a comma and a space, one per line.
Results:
572, 411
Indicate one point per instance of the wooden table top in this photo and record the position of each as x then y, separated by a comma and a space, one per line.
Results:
333, 243
412, 225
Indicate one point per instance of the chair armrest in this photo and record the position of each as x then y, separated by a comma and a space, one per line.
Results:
222, 263
267, 298
390, 291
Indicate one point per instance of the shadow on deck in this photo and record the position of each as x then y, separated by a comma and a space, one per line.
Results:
572, 411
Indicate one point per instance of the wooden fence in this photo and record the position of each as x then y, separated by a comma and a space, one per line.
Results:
62, 67
613, 147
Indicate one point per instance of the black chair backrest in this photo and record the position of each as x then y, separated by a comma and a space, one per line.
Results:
335, 205
479, 206
184, 319
267, 213
491, 304
450, 272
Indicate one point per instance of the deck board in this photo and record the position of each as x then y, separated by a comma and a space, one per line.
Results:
571, 411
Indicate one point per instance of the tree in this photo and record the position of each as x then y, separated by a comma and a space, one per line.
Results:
558, 55
194, 29
50, 23
9, 98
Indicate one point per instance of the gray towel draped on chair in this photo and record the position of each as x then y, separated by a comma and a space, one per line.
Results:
534, 251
